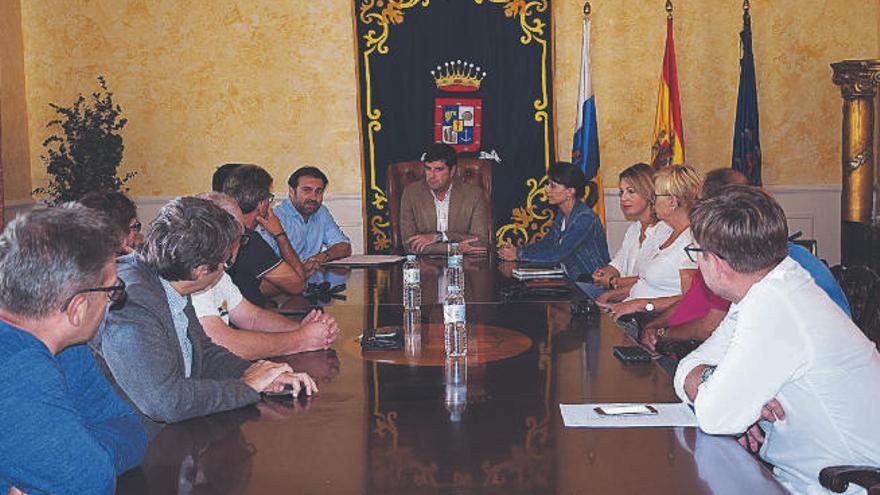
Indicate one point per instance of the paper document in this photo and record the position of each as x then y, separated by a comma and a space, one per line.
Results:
366, 259
584, 415
529, 273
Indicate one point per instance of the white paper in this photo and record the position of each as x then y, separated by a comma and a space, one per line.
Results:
366, 259
584, 415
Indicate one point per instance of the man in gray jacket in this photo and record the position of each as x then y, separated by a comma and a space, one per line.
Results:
154, 348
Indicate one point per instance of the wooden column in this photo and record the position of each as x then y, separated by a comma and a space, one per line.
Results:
858, 81
2, 200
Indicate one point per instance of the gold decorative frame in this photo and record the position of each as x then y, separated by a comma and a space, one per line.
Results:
531, 221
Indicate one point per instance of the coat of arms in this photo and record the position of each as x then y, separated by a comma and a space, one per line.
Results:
457, 121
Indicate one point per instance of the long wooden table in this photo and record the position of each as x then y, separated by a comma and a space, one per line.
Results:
398, 423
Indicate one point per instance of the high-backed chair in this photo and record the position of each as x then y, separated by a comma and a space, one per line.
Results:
399, 175
838, 478
857, 283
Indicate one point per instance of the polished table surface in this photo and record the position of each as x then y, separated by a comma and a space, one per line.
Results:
397, 422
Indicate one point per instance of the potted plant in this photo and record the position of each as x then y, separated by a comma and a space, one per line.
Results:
86, 149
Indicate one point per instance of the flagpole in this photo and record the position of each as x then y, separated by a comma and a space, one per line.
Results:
587, 9
746, 5
669, 9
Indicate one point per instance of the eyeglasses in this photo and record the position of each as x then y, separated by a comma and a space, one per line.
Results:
654, 196
690, 249
115, 293
136, 226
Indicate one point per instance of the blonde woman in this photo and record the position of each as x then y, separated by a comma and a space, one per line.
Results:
667, 270
636, 184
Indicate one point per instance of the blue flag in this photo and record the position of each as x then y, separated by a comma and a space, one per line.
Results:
746, 138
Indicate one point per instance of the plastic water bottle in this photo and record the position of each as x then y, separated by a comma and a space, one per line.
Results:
454, 320
412, 289
456, 387
412, 332
454, 270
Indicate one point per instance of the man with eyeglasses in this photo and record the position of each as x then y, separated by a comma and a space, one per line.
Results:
123, 214
155, 348
258, 332
258, 272
784, 341
64, 428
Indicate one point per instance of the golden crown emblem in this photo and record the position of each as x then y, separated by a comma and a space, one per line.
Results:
458, 76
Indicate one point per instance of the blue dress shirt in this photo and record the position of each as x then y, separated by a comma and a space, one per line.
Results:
307, 238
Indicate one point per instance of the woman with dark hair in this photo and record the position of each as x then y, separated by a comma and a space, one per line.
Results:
122, 211
576, 239
636, 185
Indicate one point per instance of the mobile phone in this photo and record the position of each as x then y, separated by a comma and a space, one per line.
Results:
625, 410
285, 393
632, 354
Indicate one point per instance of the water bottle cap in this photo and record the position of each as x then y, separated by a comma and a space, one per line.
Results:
410, 257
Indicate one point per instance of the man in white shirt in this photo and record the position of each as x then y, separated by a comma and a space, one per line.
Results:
783, 339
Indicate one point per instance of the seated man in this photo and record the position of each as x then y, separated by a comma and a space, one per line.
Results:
308, 223
783, 339
122, 212
441, 209
259, 332
258, 272
155, 348
65, 430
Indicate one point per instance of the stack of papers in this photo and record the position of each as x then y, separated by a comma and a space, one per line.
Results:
585, 415
366, 259
532, 273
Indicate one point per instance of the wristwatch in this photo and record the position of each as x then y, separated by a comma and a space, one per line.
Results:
707, 373
649, 307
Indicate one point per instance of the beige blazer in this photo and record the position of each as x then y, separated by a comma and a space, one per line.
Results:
468, 214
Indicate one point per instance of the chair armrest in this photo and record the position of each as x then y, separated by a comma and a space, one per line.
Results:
838, 478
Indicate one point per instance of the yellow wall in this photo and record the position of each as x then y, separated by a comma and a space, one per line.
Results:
14, 146
795, 41
273, 82
203, 83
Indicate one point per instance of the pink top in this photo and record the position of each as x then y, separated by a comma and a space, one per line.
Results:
697, 302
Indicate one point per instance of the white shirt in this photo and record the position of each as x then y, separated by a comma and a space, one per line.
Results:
218, 300
633, 254
659, 269
442, 208
787, 340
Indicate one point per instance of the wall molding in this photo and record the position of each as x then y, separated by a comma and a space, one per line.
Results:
812, 209
347, 209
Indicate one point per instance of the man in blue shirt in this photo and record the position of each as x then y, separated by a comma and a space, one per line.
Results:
307, 222
64, 428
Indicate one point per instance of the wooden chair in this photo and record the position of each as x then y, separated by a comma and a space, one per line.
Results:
870, 321
399, 175
838, 478
857, 283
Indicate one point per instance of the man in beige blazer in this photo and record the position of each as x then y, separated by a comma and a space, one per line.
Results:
442, 209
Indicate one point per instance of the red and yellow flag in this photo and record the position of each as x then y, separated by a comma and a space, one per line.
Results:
668, 146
